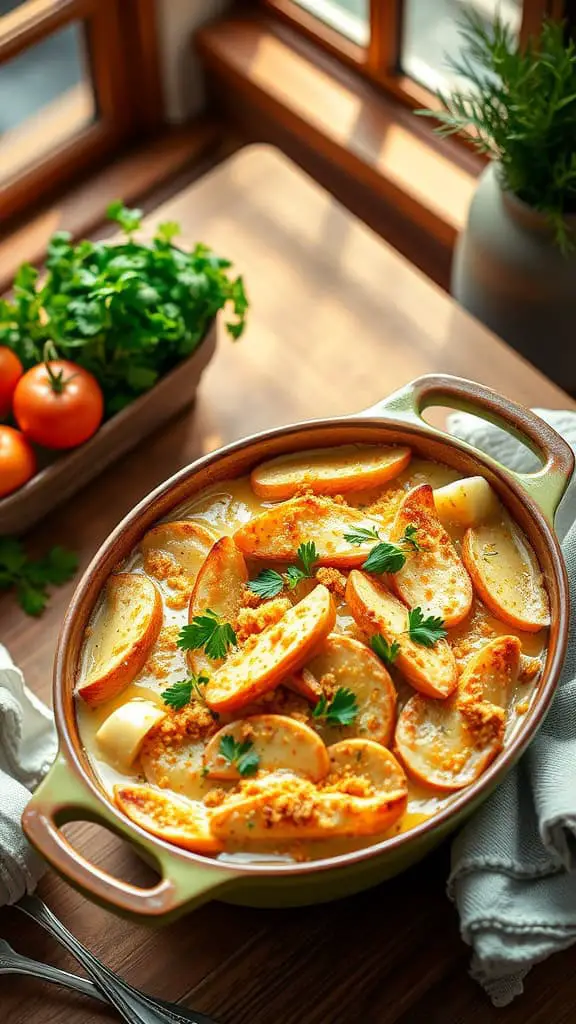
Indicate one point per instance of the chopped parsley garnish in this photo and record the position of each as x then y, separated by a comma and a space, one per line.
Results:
425, 630
210, 632
385, 651
184, 691
241, 755
29, 578
269, 582
385, 556
341, 710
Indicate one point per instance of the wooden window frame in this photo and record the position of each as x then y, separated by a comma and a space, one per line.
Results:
123, 63
380, 61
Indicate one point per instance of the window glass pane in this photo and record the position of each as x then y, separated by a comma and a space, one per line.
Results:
349, 17
430, 34
45, 99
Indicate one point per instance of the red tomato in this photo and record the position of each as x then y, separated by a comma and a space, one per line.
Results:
17, 460
58, 404
10, 373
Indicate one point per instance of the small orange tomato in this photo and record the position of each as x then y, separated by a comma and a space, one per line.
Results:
17, 460
10, 372
58, 404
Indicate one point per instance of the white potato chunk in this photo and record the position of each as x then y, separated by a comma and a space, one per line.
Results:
467, 502
121, 735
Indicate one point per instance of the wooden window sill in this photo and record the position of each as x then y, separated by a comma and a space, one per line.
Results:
374, 140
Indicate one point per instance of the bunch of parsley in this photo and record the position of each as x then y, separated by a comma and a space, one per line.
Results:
127, 311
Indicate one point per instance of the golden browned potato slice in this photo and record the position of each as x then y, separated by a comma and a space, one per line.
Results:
492, 673
121, 637
446, 745
349, 467
219, 586
121, 735
277, 741
277, 534
431, 670
365, 794
345, 662
467, 502
433, 578
172, 550
276, 652
169, 818
506, 575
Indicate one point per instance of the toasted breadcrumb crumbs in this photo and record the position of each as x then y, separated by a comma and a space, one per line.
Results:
251, 621
484, 720
333, 579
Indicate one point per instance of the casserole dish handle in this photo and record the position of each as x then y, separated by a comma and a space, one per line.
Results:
63, 797
544, 486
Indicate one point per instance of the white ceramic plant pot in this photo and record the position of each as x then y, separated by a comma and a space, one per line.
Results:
509, 272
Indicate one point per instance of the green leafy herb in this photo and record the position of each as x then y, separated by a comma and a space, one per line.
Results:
128, 312
184, 691
29, 578
362, 534
269, 582
341, 710
385, 651
210, 632
425, 630
384, 557
241, 755
519, 108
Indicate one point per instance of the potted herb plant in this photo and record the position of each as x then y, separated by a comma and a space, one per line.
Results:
515, 262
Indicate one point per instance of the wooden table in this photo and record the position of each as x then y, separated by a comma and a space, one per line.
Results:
338, 320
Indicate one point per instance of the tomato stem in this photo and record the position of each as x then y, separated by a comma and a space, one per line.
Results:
56, 378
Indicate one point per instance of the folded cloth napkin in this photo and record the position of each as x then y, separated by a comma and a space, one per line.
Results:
513, 874
27, 748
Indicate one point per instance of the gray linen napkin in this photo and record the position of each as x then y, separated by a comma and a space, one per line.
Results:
513, 875
27, 748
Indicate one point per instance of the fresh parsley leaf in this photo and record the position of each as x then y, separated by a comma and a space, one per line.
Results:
342, 709
361, 535
385, 651
384, 557
294, 576
184, 691
30, 578
129, 220
409, 538
425, 630
240, 755
308, 555
268, 583
210, 632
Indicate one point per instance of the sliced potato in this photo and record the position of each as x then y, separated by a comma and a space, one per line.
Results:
467, 502
276, 652
431, 670
170, 818
174, 549
219, 586
446, 745
278, 741
506, 575
277, 534
348, 467
433, 578
172, 753
121, 637
121, 735
367, 759
345, 662
492, 672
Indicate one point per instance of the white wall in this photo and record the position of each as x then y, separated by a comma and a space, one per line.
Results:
177, 19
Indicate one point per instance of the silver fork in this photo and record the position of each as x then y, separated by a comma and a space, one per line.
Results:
134, 1006
12, 962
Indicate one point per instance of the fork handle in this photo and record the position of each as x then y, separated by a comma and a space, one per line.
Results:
23, 965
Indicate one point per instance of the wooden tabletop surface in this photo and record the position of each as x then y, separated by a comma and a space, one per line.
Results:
338, 320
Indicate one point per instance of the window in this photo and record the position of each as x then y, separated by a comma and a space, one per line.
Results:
403, 44
75, 84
